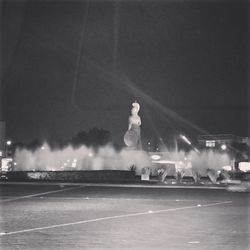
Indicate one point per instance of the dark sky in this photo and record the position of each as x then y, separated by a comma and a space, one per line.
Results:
183, 57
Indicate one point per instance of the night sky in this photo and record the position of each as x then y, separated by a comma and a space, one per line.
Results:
174, 57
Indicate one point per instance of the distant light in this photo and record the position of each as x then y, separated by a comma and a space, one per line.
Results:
73, 165
193, 242
227, 168
155, 157
223, 146
9, 142
210, 143
5, 164
90, 154
164, 162
184, 138
42, 147
244, 166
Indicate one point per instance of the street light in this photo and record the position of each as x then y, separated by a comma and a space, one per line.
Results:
8, 143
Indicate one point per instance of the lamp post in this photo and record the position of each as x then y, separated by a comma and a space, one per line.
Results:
8, 143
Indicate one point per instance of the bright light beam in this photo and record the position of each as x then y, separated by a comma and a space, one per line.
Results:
79, 55
114, 78
185, 139
130, 87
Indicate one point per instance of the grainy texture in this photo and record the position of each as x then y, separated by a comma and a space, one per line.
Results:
219, 226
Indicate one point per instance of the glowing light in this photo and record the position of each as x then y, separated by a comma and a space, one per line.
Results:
194, 242
90, 154
223, 146
164, 162
244, 166
155, 157
42, 147
210, 143
9, 142
184, 138
227, 168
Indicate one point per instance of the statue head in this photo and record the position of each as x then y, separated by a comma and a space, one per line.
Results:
135, 109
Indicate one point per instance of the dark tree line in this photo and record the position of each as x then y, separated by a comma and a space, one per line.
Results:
95, 137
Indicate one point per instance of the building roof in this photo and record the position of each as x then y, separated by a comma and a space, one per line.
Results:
224, 137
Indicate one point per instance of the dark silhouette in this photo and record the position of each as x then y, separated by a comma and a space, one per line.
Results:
94, 137
35, 144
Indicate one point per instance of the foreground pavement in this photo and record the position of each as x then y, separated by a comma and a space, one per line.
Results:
80, 216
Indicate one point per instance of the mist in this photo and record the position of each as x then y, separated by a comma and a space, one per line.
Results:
82, 158
107, 158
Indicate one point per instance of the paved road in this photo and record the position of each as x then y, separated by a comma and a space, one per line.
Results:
102, 217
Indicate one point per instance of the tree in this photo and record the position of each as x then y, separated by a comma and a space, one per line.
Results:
94, 137
35, 144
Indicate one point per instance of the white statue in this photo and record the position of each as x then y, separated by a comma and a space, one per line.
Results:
132, 138
134, 121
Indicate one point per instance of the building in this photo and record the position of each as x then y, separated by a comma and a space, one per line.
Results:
217, 141
237, 146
